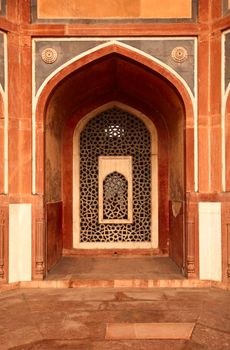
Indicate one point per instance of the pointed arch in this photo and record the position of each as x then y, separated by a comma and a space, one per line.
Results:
113, 47
151, 128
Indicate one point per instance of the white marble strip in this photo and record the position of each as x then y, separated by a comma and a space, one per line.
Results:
20, 245
210, 255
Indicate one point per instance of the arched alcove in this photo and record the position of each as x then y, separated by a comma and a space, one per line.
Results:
116, 77
132, 149
115, 197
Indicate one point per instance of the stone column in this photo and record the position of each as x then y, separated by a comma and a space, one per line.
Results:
190, 248
228, 251
2, 238
39, 259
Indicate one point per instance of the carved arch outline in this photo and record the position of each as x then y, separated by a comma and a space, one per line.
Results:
154, 179
40, 101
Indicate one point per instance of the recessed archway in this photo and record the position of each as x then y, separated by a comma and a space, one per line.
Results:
152, 242
120, 78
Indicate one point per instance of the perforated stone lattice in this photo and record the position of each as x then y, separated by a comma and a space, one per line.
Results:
115, 196
115, 133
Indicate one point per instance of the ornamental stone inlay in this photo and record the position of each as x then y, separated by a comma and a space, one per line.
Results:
115, 196
179, 54
49, 55
159, 49
130, 137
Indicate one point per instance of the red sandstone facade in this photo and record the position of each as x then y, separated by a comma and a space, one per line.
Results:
174, 69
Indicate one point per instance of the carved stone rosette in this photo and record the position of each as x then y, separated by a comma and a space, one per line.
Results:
228, 251
2, 237
40, 247
179, 54
49, 55
190, 249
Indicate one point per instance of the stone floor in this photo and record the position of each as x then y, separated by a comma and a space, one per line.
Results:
115, 267
76, 319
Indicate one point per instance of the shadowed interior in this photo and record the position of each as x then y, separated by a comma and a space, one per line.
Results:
114, 78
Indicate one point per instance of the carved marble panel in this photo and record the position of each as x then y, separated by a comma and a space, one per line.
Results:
115, 189
115, 150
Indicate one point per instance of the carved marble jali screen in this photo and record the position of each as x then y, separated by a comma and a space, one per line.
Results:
115, 197
115, 179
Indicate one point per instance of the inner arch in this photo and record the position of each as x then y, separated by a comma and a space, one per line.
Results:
118, 78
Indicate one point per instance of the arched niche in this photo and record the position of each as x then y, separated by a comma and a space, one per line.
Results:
142, 85
122, 164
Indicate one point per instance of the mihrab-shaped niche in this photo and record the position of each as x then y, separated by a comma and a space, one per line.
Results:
115, 189
115, 196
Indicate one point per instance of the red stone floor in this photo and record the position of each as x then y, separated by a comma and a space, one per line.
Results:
76, 319
115, 267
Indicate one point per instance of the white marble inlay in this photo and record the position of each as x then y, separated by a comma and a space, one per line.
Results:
20, 230
210, 241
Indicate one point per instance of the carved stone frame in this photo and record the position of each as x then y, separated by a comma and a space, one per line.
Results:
107, 165
154, 182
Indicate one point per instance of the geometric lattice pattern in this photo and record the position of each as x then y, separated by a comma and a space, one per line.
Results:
115, 196
115, 133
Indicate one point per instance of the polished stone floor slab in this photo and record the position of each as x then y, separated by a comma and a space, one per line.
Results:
115, 267
161, 330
